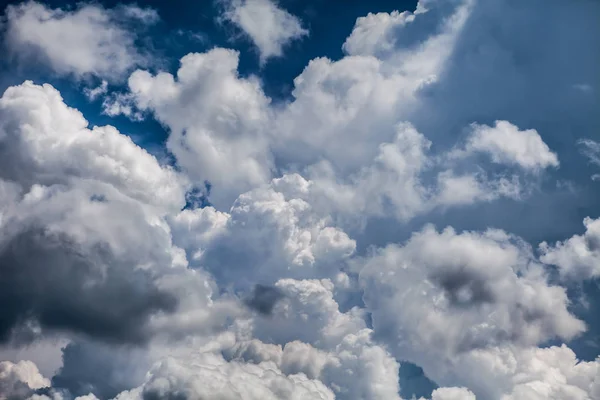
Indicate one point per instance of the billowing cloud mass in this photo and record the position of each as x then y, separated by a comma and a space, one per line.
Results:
266, 24
415, 204
89, 40
20, 379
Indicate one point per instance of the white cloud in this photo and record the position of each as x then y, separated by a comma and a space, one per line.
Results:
269, 27
208, 375
591, 150
89, 40
554, 372
224, 129
266, 286
375, 33
82, 214
506, 144
46, 142
578, 257
19, 379
445, 300
100, 90
216, 120
452, 394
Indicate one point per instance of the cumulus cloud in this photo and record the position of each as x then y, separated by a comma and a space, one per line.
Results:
554, 372
210, 376
46, 142
445, 298
505, 143
269, 26
577, 257
88, 40
278, 288
89, 226
18, 380
214, 118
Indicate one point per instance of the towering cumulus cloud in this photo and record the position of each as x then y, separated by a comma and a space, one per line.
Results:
414, 204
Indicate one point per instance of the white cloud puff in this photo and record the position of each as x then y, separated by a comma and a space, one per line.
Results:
578, 257
216, 120
269, 26
44, 141
89, 40
506, 144
554, 372
20, 379
445, 298
208, 375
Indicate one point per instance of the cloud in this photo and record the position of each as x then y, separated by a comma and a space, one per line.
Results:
544, 373
452, 394
20, 379
241, 139
94, 93
577, 257
263, 299
44, 141
591, 150
279, 285
43, 271
267, 25
105, 371
447, 298
265, 236
210, 376
506, 144
319, 340
89, 40
214, 117
83, 217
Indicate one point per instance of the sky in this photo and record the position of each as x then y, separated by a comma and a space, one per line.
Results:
260, 199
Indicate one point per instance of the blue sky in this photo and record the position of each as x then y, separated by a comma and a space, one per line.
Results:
323, 199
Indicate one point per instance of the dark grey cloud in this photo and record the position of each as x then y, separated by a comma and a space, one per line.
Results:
48, 280
103, 370
263, 298
154, 394
464, 287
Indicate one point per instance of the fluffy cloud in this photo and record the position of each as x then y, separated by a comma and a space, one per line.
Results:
577, 257
452, 394
319, 340
269, 27
446, 300
506, 144
20, 379
234, 142
210, 376
554, 372
268, 237
89, 40
216, 120
277, 287
46, 142
82, 217
224, 129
